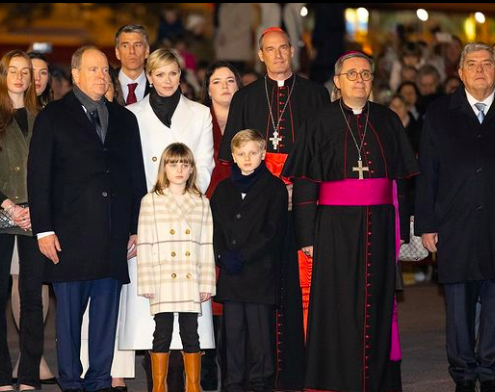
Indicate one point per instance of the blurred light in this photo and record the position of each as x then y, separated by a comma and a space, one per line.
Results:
363, 15
470, 29
422, 14
304, 11
479, 17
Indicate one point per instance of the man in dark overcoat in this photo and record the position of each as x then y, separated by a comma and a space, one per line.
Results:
455, 213
85, 183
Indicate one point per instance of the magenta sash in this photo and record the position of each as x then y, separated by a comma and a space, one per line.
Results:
356, 192
368, 192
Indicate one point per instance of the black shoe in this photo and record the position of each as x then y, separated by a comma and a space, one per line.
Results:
120, 388
49, 381
465, 386
488, 386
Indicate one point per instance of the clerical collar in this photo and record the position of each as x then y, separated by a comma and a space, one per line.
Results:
280, 83
354, 111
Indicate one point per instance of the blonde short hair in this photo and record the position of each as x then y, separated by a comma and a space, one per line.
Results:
161, 57
245, 136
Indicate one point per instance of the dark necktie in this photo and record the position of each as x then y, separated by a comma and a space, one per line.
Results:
131, 97
95, 120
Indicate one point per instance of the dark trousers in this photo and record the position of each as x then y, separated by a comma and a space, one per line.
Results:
31, 264
72, 300
188, 324
468, 362
247, 322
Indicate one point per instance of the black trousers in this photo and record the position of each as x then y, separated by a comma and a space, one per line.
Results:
468, 362
248, 323
31, 263
162, 337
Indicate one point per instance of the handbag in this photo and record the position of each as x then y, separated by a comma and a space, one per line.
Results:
414, 250
7, 225
6, 221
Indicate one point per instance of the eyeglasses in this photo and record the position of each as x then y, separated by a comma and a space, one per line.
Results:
353, 75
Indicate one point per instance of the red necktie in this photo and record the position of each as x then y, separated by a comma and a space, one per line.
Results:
131, 97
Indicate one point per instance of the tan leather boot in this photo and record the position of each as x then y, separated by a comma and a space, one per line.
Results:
159, 370
192, 368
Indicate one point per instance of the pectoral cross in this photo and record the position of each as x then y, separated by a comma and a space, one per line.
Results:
275, 140
360, 169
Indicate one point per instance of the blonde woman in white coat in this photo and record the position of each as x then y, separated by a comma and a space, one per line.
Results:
165, 116
176, 265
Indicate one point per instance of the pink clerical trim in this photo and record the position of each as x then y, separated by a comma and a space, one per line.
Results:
368, 192
356, 192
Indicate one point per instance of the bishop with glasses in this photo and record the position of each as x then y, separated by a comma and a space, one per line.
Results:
347, 162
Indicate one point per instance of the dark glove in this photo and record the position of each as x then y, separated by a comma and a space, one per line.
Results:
231, 261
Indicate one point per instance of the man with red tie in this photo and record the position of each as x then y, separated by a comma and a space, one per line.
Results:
132, 49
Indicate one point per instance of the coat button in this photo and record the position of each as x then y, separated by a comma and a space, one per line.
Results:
479, 170
188, 231
234, 242
104, 194
238, 216
173, 254
188, 276
154, 159
17, 169
188, 253
172, 231
174, 275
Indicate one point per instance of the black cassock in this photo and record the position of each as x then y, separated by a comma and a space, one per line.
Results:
354, 267
249, 109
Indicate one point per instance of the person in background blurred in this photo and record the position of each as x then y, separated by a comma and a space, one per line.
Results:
42, 78
61, 82
412, 126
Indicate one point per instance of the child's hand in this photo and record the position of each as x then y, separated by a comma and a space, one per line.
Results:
149, 296
204, 296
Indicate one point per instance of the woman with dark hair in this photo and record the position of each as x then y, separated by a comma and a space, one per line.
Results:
222, 80
42, 78
18, 108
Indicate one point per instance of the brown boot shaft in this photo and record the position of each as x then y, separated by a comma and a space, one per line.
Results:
192, 368
159, 370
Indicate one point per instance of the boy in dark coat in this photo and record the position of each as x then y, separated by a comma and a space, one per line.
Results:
250, 214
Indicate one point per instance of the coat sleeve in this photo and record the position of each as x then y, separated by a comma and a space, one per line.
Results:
207, 277
219, 244
39, 175
274, 229
146, 240
427, 182
205, 162
137, 172
305, 203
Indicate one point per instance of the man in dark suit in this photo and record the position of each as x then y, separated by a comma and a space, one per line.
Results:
132, 49
85, 183
455, 213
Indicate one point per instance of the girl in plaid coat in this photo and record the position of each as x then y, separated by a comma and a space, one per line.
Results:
176, 268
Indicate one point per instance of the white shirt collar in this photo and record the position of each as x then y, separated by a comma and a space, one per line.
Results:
487, 101
140, 89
